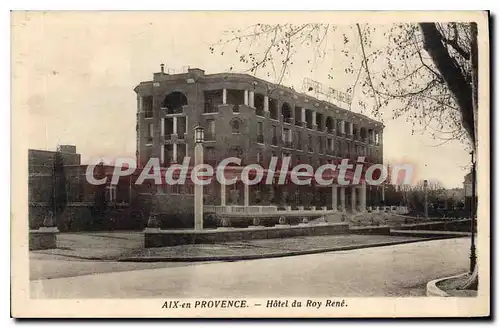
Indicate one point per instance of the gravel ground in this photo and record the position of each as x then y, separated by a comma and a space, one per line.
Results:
267, 246
112, 246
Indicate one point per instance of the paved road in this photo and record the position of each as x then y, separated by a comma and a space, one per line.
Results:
400, 270
60, 267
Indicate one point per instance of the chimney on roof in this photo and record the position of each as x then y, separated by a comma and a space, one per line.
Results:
196, 73
71, 149
162, 68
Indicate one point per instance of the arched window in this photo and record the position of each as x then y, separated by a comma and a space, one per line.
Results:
174, 102
236, 126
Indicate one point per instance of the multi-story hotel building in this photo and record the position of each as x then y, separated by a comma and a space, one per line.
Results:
252, 119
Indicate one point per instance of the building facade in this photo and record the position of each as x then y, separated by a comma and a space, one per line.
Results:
252, 119
80, 195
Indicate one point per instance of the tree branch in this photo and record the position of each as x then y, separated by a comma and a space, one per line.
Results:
451, 73
454, 43
366, 66
355, 83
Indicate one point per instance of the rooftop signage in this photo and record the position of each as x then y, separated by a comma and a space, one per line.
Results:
327, 93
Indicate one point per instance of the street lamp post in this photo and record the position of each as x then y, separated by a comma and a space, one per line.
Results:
383, 194
473, 214
426, 205
199, 138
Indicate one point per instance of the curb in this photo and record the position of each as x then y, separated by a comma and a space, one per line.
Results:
432, 290
231, 258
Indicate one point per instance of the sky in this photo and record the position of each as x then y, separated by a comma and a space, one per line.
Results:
74, 74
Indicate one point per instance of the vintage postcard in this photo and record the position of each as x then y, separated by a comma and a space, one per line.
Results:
250, 164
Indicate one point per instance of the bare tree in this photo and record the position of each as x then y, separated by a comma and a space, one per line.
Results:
428, 71
423, 70
415, 195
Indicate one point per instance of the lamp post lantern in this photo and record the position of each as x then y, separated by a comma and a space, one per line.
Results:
199, 134
199, 137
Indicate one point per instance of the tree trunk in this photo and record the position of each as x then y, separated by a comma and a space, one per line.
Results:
465, 94
451, 74
475, 83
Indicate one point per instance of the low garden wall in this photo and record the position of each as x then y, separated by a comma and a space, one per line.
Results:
80, 217
39, 240
161, 238
429, 233
371, 230
462, 225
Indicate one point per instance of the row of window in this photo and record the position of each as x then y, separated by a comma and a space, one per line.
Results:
362, 134
213, 158
171, 153
185, 189
174, 102
181, 129
315, 161
286, 135
320, 144
170, 126
287, 140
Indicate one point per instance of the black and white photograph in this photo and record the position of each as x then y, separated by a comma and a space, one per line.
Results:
250, 164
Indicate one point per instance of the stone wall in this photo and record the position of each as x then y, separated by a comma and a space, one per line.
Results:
78, 217
42, 240
42, 161
449, 225
172, 210
172, 238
